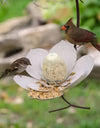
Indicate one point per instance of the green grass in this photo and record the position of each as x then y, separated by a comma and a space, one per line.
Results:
35, 112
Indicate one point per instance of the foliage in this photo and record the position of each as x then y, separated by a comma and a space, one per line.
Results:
12, 8
89, 14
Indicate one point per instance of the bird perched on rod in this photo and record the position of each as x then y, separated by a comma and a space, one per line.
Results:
79, 36
16, 67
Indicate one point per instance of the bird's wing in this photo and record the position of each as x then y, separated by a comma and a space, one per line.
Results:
83, 35
14, 66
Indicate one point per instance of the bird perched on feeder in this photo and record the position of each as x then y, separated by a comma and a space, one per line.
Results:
79, 36
16, 67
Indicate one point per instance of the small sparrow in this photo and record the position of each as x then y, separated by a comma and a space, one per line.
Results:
79, 36
16, 67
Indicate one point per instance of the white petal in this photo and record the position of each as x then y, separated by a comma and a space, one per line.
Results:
36, 56
74, 80
84, 64
27, 82
67, 52
82, 69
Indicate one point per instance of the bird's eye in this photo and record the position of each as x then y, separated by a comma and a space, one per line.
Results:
67, 27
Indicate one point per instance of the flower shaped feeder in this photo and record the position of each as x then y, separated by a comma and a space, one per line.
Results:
52, 72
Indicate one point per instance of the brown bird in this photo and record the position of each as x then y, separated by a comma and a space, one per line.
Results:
16, 67
79, 36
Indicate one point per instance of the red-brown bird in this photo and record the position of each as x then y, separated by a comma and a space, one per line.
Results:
79, 36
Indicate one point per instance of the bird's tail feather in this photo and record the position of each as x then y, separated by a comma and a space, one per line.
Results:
4, 74
97, 46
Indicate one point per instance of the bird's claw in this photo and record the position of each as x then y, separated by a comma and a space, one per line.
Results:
75, 46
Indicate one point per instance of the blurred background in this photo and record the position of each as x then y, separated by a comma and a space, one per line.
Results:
24, 25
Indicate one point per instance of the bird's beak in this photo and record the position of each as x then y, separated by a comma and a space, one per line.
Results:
30, 64
63, 28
